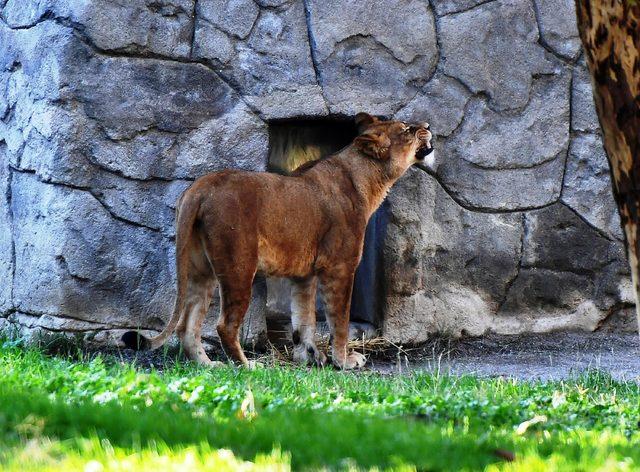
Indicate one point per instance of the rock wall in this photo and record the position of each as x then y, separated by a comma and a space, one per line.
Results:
110, 109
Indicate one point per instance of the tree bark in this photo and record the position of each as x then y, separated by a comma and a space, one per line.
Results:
610, 34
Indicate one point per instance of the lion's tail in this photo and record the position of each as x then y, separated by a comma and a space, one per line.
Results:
186, 214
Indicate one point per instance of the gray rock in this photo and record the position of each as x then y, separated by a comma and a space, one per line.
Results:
151, 204
173, 120
408, 30
510, 161
447, 7
278, 297
153, 95
162, 27
447, 268
494, 49
558, 27
461, 272
571, 276
187, 130
213, 44
42, 328
6, 238
542, 300
78, 269
26, 13
587, 185
357, 331
363, 75
583, 109
272, 3
556, 239
73, 259
44, 323
136, 146
30, 81
270, 63
65, 247
235, 17
372, 56
441, 103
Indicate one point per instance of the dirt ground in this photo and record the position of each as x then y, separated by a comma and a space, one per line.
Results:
532, 356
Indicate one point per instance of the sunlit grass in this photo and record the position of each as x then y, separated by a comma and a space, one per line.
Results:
94, 455
99, 413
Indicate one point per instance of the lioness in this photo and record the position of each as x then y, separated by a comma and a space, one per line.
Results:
309, 226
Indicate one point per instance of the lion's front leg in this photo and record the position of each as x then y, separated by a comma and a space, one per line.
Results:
337, 288
303, 322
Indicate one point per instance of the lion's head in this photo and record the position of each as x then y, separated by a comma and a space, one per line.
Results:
396, 143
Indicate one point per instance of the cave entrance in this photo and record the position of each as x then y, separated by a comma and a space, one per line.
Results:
293, 142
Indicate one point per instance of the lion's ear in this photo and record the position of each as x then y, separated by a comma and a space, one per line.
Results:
363, 121
374, 145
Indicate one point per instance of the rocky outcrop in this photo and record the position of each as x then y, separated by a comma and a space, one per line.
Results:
583, 112
510, 161
96, 148
558, 29
447, 266
263, 49
587, 186
110, 109
6, 238
493, 49
569, 274
365, 50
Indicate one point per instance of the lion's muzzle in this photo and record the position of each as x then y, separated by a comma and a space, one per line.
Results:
425, 154
424, 136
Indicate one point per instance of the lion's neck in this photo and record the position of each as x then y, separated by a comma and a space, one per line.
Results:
372, 184
370, 181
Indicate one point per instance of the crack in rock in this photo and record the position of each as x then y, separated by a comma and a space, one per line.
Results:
512, 280
91, 192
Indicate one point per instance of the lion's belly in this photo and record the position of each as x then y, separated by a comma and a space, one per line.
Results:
285, 258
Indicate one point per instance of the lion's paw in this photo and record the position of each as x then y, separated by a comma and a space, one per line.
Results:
354, 360
309, 355
320, 359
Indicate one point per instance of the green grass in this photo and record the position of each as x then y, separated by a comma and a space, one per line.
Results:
102, 414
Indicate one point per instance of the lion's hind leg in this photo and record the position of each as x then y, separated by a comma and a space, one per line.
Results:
235, 298
190, 327
201, 283
231, 248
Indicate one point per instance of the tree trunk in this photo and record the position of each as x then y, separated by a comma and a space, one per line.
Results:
610, 34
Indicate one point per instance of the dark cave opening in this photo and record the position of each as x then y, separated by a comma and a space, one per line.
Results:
293, 142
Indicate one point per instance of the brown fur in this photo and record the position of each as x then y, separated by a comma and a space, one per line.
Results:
309, 227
